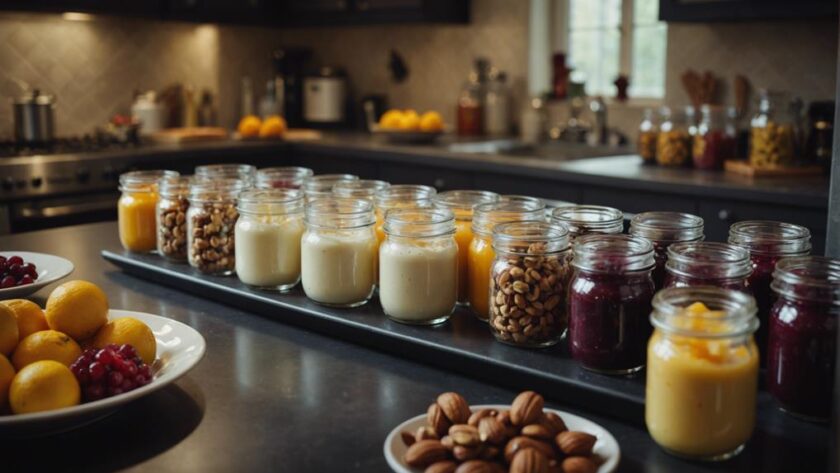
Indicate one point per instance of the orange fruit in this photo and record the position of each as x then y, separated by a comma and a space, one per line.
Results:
410, 121
392, 119
30, 317
131, 331
77, 308
273, 127
43, 386
46, 345
249, 126
7, 373
9, 333
431, 121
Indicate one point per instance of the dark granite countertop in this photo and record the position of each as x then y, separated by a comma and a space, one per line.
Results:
272, 397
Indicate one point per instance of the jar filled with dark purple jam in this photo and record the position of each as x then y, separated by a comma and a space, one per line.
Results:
587, 219
705, 263
802, 345
768, 242
663, 229
609, 301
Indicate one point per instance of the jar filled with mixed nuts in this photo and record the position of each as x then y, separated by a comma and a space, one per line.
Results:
283, 177
171, 214
211, 221
528, 295
772, 141
244, 172
646, 141
673, 144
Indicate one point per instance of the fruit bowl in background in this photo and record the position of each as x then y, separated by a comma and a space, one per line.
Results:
179, 349
50, 269
406, 136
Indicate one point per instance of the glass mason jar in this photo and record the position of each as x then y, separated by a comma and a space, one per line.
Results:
663, 229
400, 196
171, 217
673, 144
418, 265
321, 186
284, 177
552, 205
462, 203
338, 252
586, 219
772, 140
244, 172
768, 242
802, 346
211, 219
528, 293
609, 302
480, 254
268, 235
705, 263
713, 144
646, 139
136, 209
361, 189
702, 372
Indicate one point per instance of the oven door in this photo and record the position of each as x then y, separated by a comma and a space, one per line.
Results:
39, 214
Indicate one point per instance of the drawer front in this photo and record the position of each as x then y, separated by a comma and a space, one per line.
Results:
527, 186
439, 178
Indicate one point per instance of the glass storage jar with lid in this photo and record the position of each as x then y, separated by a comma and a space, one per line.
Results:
646, 139
663, 229
702, 372
171, 217
244, 172
586, 219
768, 242
706, 263
462, 203
321, 186
714, 142
481, 255
338, 252
673, 144
136, 209
211, 221
268, 234
361, 189
284, 177
418, 265
772, 135
610, 296
528, 293
802, 345
400, 196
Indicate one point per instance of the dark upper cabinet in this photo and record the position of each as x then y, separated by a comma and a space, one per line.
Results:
141, 8
740, 10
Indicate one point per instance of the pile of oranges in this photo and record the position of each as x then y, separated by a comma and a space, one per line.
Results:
410, 120
252, 127
38, 346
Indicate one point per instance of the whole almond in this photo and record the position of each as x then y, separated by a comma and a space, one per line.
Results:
464, 434
529, 460
553, 423
425, 433
537, 431
504, 417
492, 431
478, 415
446, 466
578, 465
462, 453
455, 407
424, 453
447, 442
479, 466
436, 419
526, 408
407, 438
518, 443
575, 443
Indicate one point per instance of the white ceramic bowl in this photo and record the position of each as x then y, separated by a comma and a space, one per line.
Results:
50, 269
179, 348
606, 448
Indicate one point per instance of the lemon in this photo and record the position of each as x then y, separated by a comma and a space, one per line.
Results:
131, 331
431, 121
77, 308
273, 127
43, 386
9, 334
7, 372
30, 317
46, 345
249, 126
392, 119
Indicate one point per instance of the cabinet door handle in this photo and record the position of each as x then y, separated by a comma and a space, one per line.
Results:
439, 183
724, 215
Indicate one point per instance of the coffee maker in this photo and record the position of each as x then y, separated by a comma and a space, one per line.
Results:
289, 65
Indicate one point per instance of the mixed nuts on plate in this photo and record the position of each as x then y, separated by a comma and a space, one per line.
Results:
524, 439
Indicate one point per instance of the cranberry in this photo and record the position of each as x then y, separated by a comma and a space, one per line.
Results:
97, 371
127, 351
110, 371
2, 260
8, 281
14, 260
16, 270
105, 356
29, 269
26, 279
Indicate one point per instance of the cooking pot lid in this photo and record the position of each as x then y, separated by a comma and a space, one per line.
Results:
35, 97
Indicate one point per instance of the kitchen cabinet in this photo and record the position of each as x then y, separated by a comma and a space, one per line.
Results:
363, 12
731, 10
139, 8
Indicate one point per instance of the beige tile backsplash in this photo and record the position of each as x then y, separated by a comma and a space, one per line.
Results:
93, 67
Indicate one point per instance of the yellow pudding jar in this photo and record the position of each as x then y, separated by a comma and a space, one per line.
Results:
702, 372
136, 209
462, 203
480, 254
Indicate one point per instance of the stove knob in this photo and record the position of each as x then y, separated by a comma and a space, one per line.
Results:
37, 181
8, 184
83, 175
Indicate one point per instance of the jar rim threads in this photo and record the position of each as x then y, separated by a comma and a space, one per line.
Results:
711, 255
530, 237
671, 313
138, 181
610, 253
813, 278
667, 226
582, 219
419, 223
770, 237
339, 213
486, 216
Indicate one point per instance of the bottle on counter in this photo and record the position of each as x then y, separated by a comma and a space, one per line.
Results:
714, 142
673, 144
418, 266
469, 114
705, 263
646, 140
664, 229
207, 115
171, 212
321, 186
497, 106
772, 140
702, 354
136, 209
282, 177
533, 122
802, 344
269, 105
211, 221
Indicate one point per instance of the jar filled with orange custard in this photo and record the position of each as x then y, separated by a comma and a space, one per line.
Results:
462, 203
702, 372
136, 214
480, 255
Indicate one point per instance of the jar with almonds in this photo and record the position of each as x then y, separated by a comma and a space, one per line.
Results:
172, 207
211, 220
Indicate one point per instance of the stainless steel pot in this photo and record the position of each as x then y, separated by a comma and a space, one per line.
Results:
34, 120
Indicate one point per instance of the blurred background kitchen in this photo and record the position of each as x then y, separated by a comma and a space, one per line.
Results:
549, 80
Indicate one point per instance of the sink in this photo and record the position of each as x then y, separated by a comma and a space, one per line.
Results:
554, 150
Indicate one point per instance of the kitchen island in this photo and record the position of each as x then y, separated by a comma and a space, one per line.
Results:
271, 397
